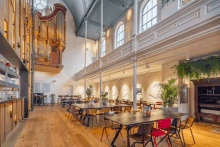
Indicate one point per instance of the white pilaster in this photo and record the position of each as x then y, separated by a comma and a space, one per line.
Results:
134, 46
100, 53
135, 84
85, 58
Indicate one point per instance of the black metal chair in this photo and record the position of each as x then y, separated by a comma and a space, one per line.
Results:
188, 125
143, 135
110, 124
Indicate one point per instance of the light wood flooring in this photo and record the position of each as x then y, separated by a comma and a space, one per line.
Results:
47, 126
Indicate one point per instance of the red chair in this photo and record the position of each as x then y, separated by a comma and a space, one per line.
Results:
162, 124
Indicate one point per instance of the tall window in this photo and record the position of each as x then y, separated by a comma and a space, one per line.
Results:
149, 15
120, 35
103, 47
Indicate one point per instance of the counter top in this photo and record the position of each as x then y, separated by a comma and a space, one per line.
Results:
10, 100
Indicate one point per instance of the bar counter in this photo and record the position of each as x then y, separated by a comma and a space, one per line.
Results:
11, 114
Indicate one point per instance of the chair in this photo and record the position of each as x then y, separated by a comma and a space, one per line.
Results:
163, 124
104, 110
75, 114
91, 113
45, 96
139, 105
127, 109
188, 125
143, 135
117, 109
175, 129
158, 104
110, 124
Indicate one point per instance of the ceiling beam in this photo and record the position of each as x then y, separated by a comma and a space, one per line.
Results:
96, 24
94, 2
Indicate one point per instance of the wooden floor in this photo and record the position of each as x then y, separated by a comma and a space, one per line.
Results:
47, 126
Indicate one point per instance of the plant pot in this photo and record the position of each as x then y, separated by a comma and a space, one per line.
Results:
104, 102
52, 101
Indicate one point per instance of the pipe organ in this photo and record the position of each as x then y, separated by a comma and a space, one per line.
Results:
50, 38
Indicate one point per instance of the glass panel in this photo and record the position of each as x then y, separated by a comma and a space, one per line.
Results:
154, 2
154, 21
149, 4
144, 27
122, 27
154, 12
122, 36
145, 9
144, 19
149, 24
149, 15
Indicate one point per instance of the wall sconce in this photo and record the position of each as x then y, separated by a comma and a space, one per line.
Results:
108, 33
129, 14
10, 114
18, 45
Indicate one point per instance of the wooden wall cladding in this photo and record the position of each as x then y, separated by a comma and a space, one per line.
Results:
8, 118
14, 112
19, 117
11, 114
2, 124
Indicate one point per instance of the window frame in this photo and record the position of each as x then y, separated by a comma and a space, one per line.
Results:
122, 41
142, 14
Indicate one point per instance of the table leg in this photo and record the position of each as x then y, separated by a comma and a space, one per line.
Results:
116, 136
128, 128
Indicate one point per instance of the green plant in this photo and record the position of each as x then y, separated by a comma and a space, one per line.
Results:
169, 93
104, 94
163, 2
200, 68
52, 96
89, 91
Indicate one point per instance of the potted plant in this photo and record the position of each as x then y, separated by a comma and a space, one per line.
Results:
52, 98
89, 91
104, 98
169, 93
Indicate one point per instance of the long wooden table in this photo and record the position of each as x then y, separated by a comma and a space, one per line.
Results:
136, 118
97, 106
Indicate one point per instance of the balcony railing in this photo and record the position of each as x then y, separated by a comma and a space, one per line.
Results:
169, 31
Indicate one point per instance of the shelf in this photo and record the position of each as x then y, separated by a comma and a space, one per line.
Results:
209, 94
8, 52
4, 84
11, 74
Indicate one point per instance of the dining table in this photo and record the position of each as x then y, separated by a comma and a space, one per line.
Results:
129, 119
87, 106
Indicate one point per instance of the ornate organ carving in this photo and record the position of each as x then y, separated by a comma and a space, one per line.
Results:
50, 37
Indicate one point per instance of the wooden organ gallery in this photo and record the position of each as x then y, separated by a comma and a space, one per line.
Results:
50, 38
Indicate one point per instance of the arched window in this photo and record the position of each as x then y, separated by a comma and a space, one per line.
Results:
103, 47
149, 14
120, 35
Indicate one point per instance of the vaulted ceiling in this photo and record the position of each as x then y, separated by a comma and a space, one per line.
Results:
90, 10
